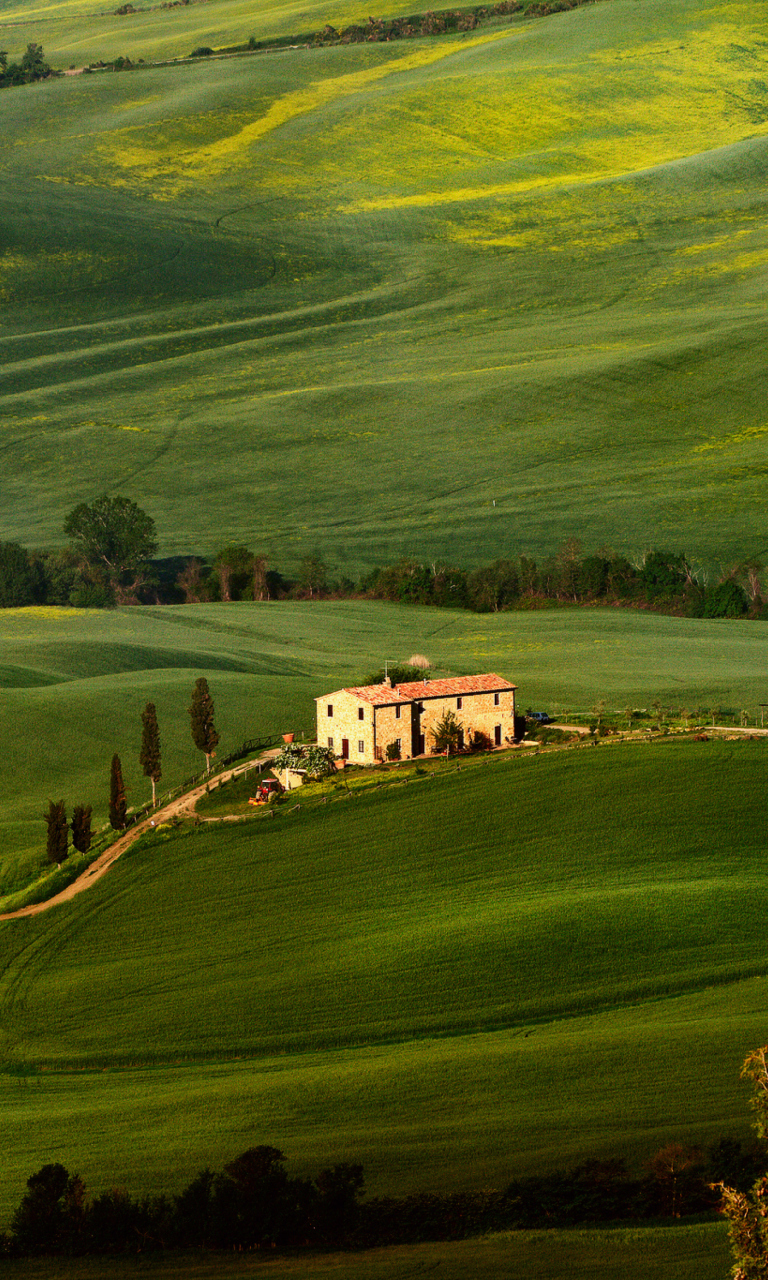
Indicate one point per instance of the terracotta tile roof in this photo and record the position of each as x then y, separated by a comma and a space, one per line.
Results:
453, 687
381, 695
378, 694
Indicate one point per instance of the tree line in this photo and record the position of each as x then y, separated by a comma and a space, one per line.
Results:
205, 737
111, 559
254, 1204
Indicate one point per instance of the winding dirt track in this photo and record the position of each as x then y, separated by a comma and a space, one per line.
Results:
183, 805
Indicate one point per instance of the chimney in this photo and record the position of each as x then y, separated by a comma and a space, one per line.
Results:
387, 682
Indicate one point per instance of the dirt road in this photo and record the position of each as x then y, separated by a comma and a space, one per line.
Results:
177, 808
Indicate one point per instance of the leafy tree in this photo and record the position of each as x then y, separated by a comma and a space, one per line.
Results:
664, 574
33, 63
493, 587
260, 578
317, 762
118, 805
193, 583
726, 600
336, 1209
259, 1203
747, 1211
51, 1214
17, 578
81, 827
234, 568
204, 733
60, 575
149, 758
115, 536
58, 831
313, 576
446, 734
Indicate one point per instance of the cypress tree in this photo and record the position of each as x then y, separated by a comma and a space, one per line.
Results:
149, 758
204, 733
58, 832
118, 805
81, 827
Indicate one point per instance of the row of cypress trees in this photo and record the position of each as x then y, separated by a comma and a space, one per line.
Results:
205, 738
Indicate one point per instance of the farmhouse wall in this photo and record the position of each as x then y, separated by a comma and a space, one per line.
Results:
390, 727
478, 713
345, 723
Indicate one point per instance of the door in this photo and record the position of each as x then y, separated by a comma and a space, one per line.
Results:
345, 748
497, 735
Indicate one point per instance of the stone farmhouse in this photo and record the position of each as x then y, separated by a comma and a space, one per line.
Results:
360, 723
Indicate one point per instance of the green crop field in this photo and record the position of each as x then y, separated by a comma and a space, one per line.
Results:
77, 681
406, 978
350, 298
459, 298
687, 1253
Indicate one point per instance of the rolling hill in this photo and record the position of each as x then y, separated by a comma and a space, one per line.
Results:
349, 298
407, 978
74, 682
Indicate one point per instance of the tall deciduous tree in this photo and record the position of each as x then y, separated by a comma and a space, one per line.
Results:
149, 759
81, 827
115, 536
58, 831
204, 733
747, 1211
118, 805
233, 567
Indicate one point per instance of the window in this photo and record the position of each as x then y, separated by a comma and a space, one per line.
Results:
330, 709
458, 704
397, 712
360, 747
361, 713
496, 699
330, 743
399, 743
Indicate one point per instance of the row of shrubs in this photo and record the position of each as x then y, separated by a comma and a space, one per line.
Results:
662, 580
436, 23
413, 26
253, 1204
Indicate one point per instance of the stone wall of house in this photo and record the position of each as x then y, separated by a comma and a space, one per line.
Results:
478, 713
390, 727
346, 723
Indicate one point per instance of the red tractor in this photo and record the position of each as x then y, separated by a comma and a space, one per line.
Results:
268, 789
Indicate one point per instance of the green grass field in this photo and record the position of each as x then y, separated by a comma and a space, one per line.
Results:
687, 1253
349, 298
406, 978
77, 682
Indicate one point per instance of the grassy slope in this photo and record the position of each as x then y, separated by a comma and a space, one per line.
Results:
266, 664
407, 978
528, 264
688, 1253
